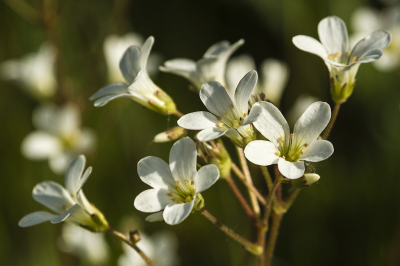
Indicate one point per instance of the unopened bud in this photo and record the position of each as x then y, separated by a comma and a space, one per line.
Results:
305, 181
171, 134
198, 204
134, 236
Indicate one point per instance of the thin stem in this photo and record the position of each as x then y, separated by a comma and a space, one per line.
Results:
276, 222
291, 199
267, 176
248, 179
332, 121
242, 200
133, 245
253, 248
177, 113
270, 197
239, 174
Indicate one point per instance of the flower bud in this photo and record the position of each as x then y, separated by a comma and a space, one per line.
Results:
216, 154
174, 133
198, 204
306, 180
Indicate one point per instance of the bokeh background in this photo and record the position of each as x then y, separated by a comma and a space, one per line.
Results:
350, 217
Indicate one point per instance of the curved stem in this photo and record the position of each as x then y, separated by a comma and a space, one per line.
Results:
276, 222
133, 245
248, 179
251, 247
332, 121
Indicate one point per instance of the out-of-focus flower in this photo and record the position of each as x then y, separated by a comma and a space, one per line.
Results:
210, 68
115, 47
176, 188
59, 136
365, 20
161, 248
139, 86
287, 150
334, 50
90, 247
227, 116
35, 71
274, 76
171, 134
69, 203
300, 105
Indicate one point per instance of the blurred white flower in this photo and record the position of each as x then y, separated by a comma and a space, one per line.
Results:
365, 20
161, 248
334, 50
210, 68
114, 48
177, 186
35, 71
90, 247
287, 150
59, 136
300, 105
69, 203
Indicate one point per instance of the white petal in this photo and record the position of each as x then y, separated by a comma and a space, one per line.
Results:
317, 151
84, 178
40, 145
182, 159
156, 173
59, 163
311, 123
145, 51
255, 113
376, 40
310, 45
261, 152
206, 177
236, 68
177, 212
53, 196
216, 99
367, 57
198, 120
180, 66
63, 216
104, 100
152, 200
74, 173
272, 124
35, 218
216, 49
84, 203
244, 90
155, 217
210, 134
113, 89
333, 35
275, 75
291, 170
130, 63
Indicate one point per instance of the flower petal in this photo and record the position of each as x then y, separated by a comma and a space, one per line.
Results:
63, 216
377, 40
53, 196
311, 123
39, 145
198, 120
291, 170
130, 63
35, 218
275, 75
74, 173
333, 35
206, 177
182, 160
180, 66
155, 217
210, 134
156, 173
145, 51
236, 68
244, 90
104, 100
152, 200
175, 213
216, 99
255, 112
113, 88
261, 152
272, 124
309, 45
317, 151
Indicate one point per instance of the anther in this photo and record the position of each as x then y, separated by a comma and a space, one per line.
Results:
331, 57
305, 145
177, 182
277, 153
282, 138
226, 113
219, 118
187, 181
354, 59
283, 157
220, 124
244, 115
337, 54
232, 107
348, 53
281, 144
291, 135
192, 183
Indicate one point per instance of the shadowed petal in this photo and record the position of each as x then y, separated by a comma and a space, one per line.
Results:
113, 88
244, 90
156, 173
53, 196
175, 213
210, 134
152, 200
377, 40
317, 151
35, 218
155, 217
198, 120
291, 170
310, 45
206, 177
104, 100
182, 159
216, 99
74, 173
333, 35
130, 63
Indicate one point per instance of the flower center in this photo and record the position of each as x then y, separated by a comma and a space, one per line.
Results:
291, 153
184, 191
231, 120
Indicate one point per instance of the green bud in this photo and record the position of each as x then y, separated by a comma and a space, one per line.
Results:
198, 204
306, 180
342, 84
174, 133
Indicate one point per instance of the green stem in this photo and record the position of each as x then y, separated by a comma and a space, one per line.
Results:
270, 198
332, 121
276, 222
251, 247
267, 176
133, 245
177, 113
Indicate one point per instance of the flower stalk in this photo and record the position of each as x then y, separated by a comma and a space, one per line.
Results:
329, 127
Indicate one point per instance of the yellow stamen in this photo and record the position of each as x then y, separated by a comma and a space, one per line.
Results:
281, 144
348, 53
232, 107
282, 138
219, 118
277, 153
331, 57
291, 135
337, 54
354, 59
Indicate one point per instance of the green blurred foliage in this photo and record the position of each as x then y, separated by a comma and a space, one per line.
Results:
350, 217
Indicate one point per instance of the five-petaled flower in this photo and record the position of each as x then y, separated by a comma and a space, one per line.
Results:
287, 150
227, 116
177, 187
69, 203
341, 62
140, 87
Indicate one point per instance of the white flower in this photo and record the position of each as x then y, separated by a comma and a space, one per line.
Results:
287, 150
139, 86
210, 68
161, 248
342, 64
299, 106
114, 48
59, 137
176, 188
69, 203
274, 76
90, 247
227, 116
365, 20
35, 71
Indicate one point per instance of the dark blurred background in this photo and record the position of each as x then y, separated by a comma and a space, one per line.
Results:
350, 217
